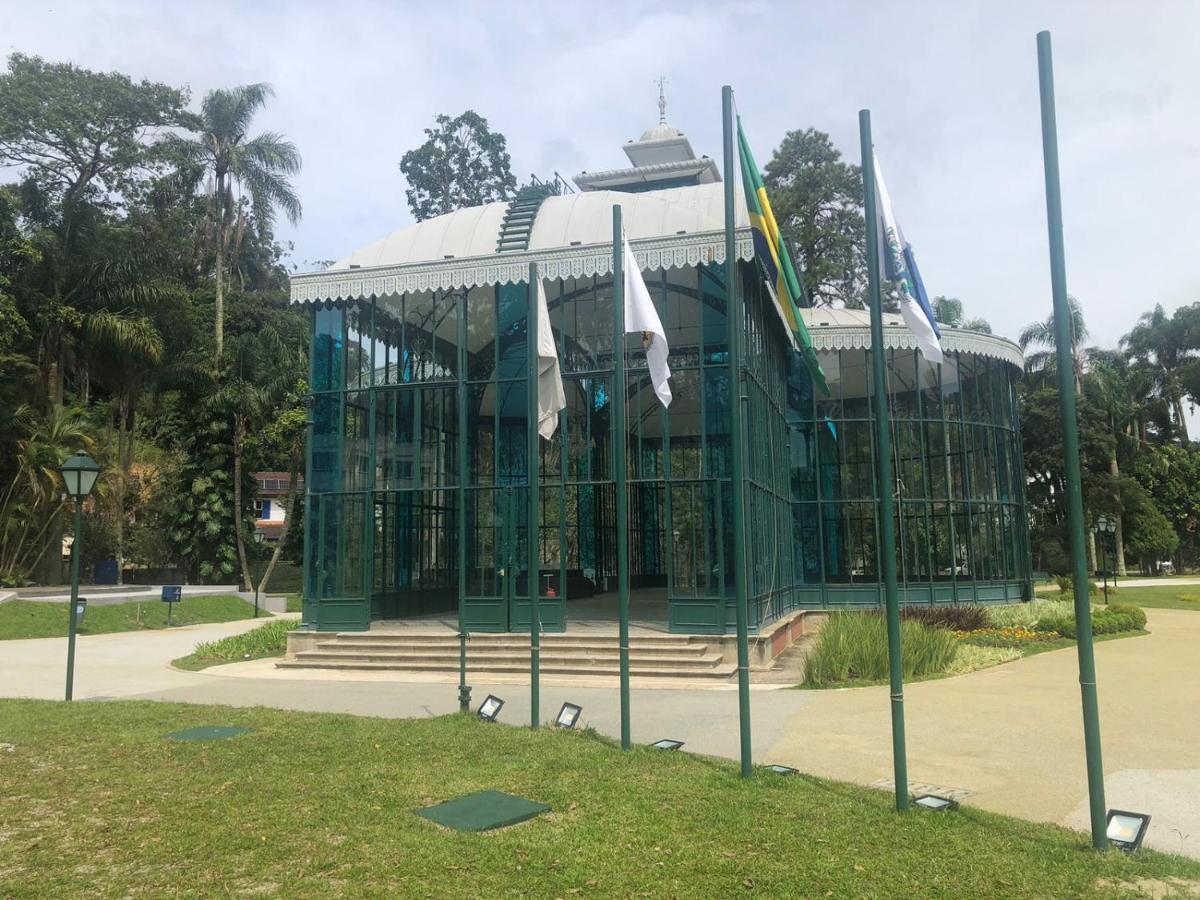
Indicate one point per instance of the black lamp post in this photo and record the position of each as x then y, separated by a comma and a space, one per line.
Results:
1105, 527
79, 474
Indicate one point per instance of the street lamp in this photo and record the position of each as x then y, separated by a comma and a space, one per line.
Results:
79, 474
1105, 526
259, 539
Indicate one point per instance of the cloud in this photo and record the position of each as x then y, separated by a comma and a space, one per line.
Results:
952, 88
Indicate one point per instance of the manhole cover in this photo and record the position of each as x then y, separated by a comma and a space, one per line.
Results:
483, 811
207, 733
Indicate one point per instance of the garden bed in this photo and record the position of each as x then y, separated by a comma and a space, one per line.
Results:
851, 650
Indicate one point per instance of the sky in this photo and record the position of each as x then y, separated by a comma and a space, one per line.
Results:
952, 88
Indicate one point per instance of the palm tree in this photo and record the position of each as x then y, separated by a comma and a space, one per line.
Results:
34, 494
1041, 334
261, 370
242, 172
1161, 344
125, 350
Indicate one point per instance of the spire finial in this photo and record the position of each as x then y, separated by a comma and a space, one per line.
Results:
661, 81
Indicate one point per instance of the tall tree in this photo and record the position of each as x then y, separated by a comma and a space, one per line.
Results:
949, 311
817, 199
81, 139
247, 177
1166, 346
462, 163
1044, 361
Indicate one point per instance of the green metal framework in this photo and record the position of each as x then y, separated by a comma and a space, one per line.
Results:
411, 391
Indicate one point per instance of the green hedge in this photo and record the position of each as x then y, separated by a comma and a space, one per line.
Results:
1105, 620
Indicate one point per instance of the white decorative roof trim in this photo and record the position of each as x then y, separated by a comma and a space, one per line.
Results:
673, 252
976, 342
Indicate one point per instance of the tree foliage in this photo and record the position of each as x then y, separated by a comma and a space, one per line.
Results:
817, 199
462, 163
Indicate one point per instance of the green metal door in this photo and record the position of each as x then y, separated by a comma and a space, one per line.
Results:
497, 597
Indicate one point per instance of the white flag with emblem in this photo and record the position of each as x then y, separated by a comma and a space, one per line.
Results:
642, 317
551, 397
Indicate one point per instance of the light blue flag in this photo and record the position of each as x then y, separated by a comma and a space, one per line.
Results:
900, 266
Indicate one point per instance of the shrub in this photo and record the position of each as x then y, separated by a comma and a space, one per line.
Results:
266, 640
853, 646
952, 618
1027, 615
971, 657
1105, 620
1064, 583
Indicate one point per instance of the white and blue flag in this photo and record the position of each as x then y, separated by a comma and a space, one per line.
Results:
900, 266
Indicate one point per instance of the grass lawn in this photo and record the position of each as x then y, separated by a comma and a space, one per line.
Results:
308, 805
269, 639
34, 619
294, 603
1182, 596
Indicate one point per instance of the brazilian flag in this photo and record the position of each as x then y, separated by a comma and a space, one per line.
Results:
774, 259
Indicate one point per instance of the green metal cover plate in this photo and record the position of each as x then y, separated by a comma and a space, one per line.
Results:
207, 733
483, 811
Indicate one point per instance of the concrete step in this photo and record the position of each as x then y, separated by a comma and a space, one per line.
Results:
594, 645
487, 659
722, 672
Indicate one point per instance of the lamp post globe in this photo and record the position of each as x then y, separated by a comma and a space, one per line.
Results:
79, 474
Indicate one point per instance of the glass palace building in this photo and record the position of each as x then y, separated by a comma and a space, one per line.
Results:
419, 365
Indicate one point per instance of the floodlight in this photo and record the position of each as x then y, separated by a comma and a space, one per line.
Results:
935, 803
667, 744
781, 770
568, 715
490, 708
1126, 829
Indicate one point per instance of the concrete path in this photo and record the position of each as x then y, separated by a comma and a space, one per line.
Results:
1010, 737
108, 665
108, 595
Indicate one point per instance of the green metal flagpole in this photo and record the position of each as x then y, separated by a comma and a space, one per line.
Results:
1066, 389
883, 467
535, 617
733, 315
464, 691
620, 475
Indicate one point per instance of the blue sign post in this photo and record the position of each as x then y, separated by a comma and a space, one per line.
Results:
171, 594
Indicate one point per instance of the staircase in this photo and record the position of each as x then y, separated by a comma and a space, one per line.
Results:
517, 226
661, 656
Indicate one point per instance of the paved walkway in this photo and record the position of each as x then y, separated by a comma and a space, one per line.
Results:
1011, 737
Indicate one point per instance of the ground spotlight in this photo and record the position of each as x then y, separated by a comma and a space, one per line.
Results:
1126, 829
667, 744
781, 770
568, 715
935, 803
490, 708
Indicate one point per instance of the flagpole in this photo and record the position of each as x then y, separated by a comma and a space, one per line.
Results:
733, 315
464, 691
532, 315
1066, 391
619, 468
883, 466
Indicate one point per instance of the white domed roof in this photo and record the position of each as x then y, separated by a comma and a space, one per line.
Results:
571, 220
661, 132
